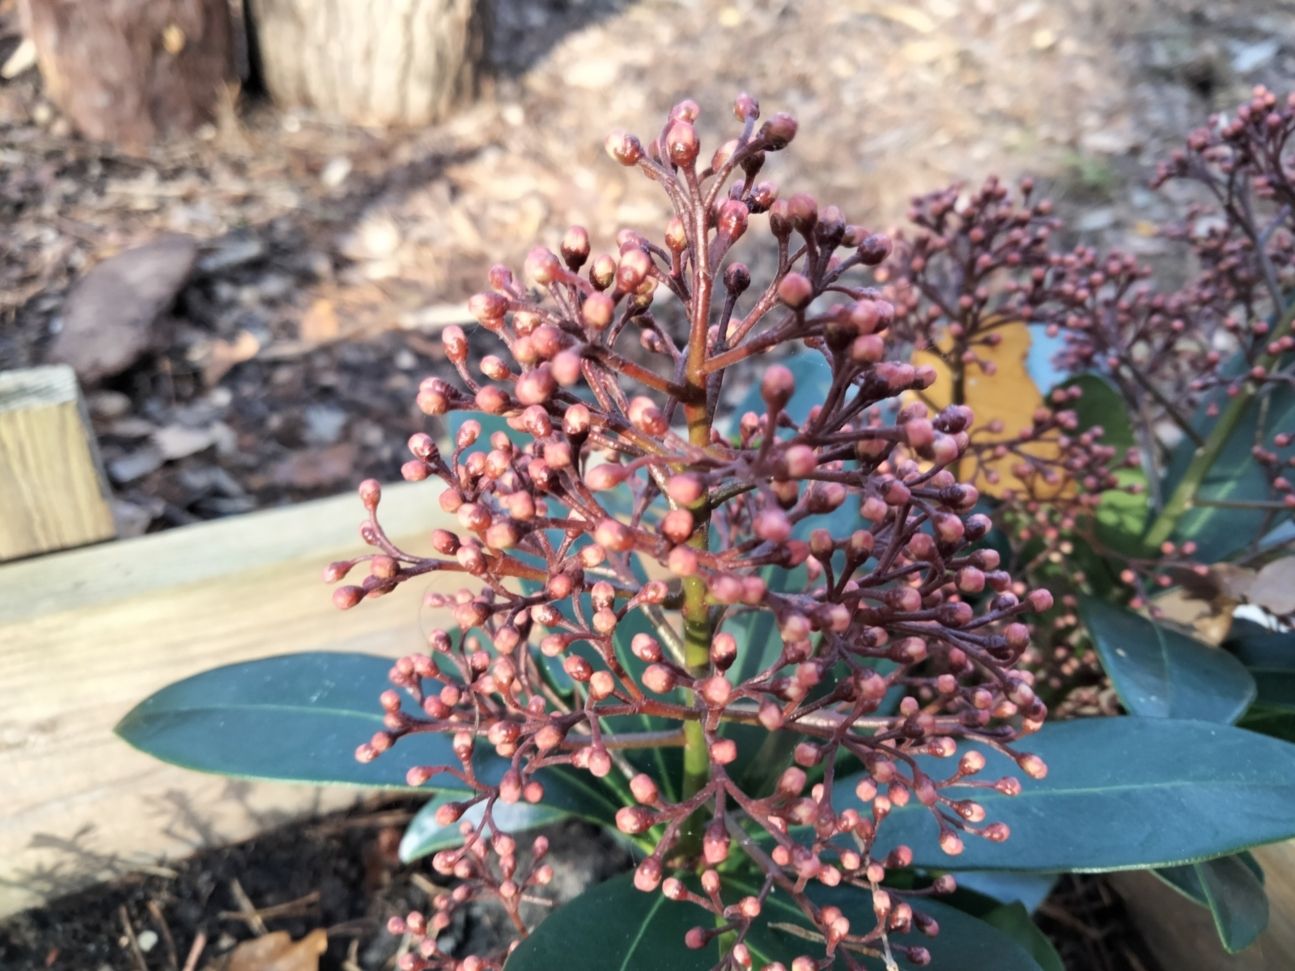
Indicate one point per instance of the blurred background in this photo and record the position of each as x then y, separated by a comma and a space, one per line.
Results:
317, 186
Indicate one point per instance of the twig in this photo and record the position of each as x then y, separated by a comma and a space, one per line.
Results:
172, 957
249, 912
195, 952
426, 886
135, 952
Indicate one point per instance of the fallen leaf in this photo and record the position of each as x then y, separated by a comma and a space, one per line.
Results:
317, 468
320, 325
1210, 620
222, 355
278, 952
1009, 397
1273, 587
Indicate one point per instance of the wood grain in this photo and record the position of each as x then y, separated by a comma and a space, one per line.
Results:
86, 634
410, 64
53, 493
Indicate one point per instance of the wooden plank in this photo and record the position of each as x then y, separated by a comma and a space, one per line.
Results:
86, 634
53, 493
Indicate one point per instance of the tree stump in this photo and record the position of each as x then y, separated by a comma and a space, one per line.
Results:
398, 62
131, 71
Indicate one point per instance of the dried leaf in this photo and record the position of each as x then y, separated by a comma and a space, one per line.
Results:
1273, 588
278, 952
1211, 620
1009, 397
224, 355
320, 324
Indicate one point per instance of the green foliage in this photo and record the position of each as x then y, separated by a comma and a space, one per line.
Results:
1162, 673
621, 929
1232, 887
1220, 531
299, 718
1113, 789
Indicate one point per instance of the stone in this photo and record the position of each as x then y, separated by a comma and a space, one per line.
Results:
110, 313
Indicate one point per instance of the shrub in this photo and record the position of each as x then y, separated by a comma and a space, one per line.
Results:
733, 589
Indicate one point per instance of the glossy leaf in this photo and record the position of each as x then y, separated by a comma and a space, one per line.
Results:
964, 941
1235, 476
1014, 921
1236, 899
813, 379
1232, 887
296, 717
1161, 673
1120, 794
1275, 722
1006, 887
1270, 657
619, 928
614, 927
300, 717
424, 835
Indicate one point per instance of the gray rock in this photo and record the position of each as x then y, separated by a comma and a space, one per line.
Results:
109, 315
135, 465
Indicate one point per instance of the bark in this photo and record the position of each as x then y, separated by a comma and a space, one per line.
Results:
132, 71
371, 62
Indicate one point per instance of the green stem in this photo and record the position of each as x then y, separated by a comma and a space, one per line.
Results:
697, 623
1184, 496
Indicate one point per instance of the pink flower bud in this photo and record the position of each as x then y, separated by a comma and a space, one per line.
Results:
681, 143
541, 266
777, 386
624, 148
795, 290
684, 489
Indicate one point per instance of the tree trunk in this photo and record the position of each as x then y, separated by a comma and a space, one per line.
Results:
393, 62
130, 71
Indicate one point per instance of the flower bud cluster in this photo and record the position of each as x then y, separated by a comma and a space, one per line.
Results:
628, 522
485, 868
963, 274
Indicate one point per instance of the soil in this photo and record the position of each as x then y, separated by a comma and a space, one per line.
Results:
339, 873
330, 257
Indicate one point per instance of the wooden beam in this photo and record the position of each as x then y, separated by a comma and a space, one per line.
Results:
86, 634
53, 493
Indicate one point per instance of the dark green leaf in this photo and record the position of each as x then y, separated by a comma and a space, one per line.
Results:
1121, 515
1270, 656
1236, 899
1185, 880
1276, 722
1162, 673
1232, 887
297, 717
1235, 476
613, 927
300, 717
813, 378
424, 835
1121, 794
964, 941
1007, 887
1015, 922
619, 928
